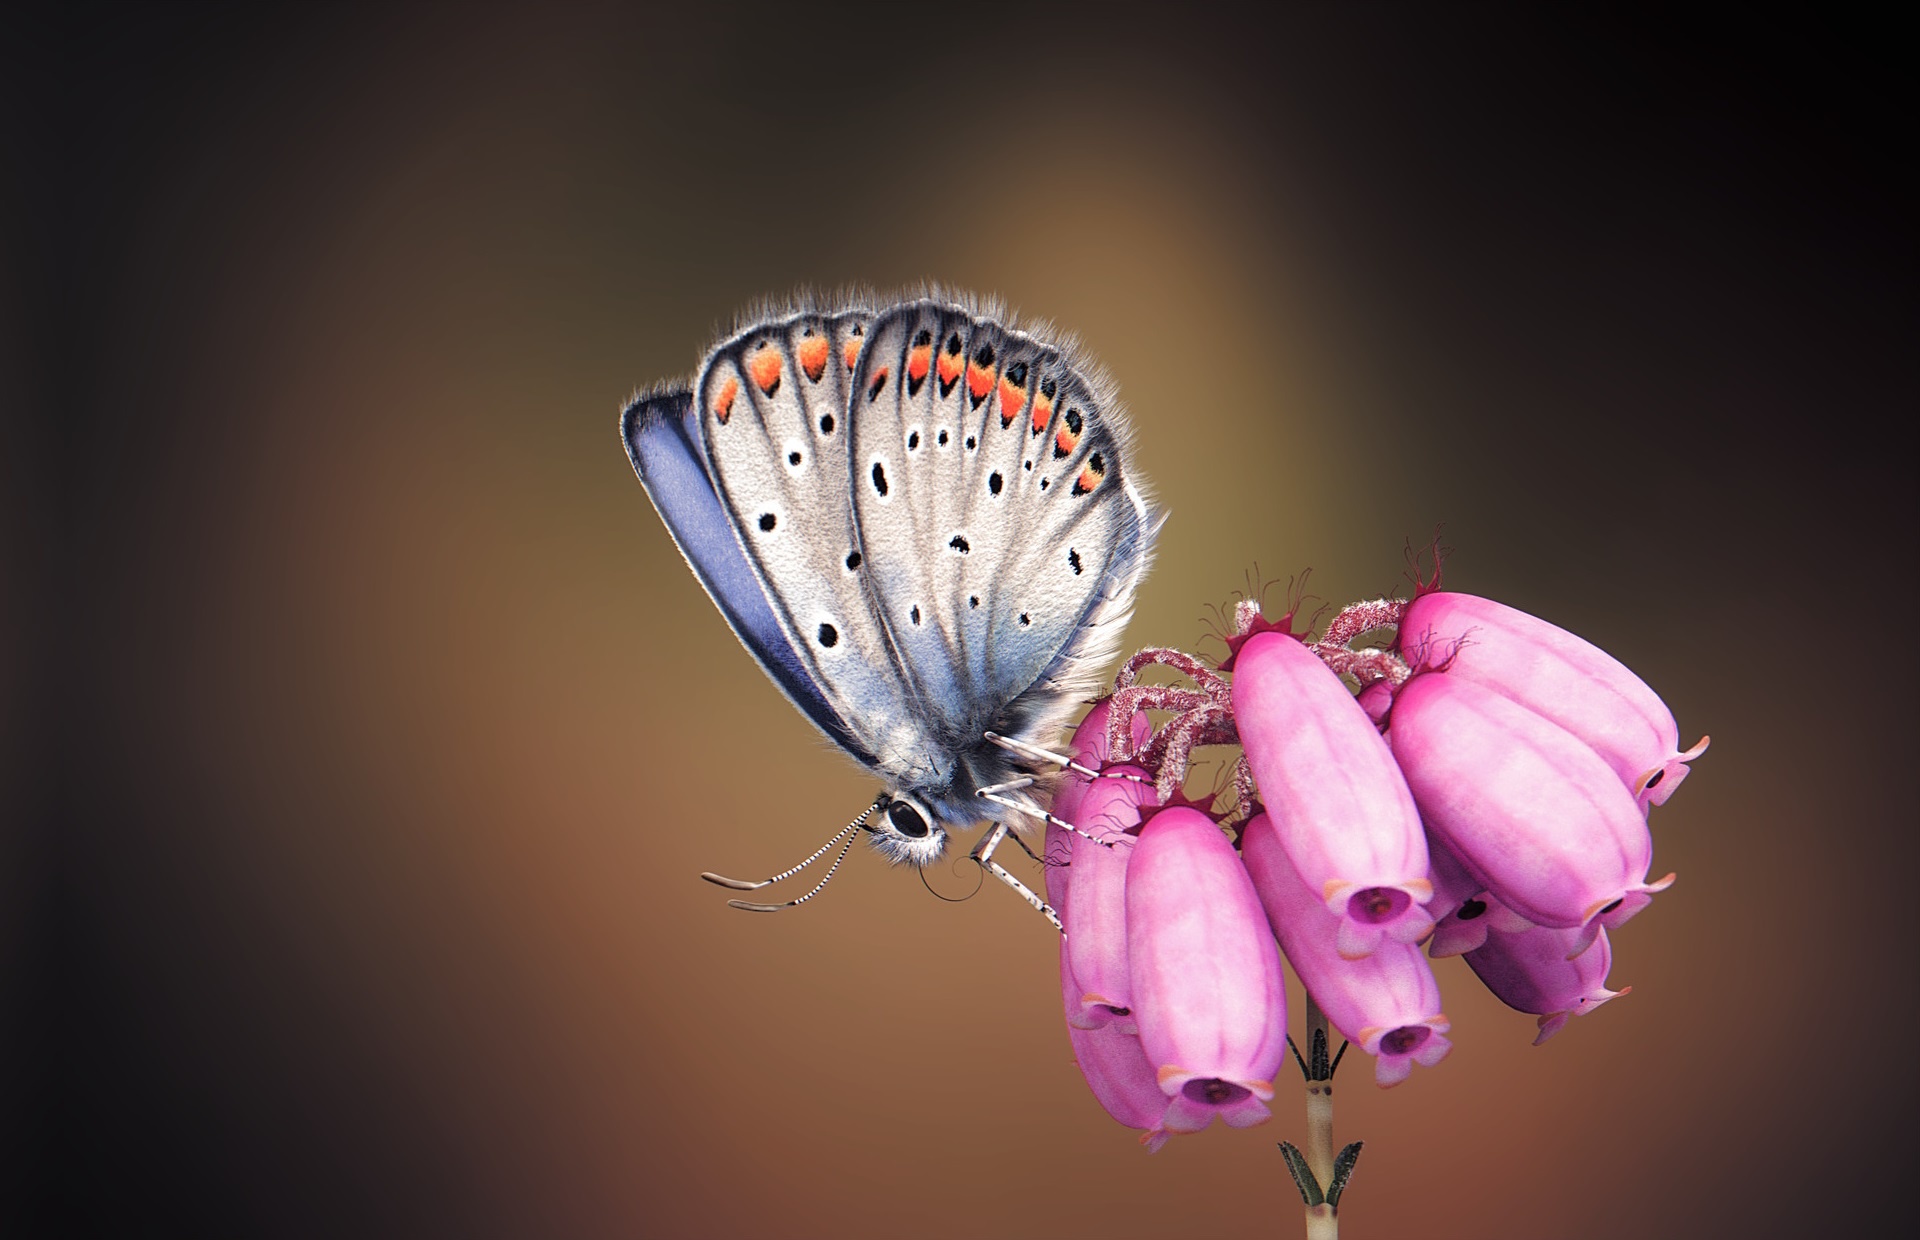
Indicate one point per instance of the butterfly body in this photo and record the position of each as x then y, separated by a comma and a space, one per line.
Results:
922, 523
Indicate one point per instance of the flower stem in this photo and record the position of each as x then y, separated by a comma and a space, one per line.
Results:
1323, 1220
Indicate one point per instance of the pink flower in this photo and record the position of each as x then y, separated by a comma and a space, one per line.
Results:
1096, 875
1097, 894
1556, 674
1464, 912
1089, 746
1529, 809
1387, 1003
1337, 800
1532, 972
1208, 993
1116, 1068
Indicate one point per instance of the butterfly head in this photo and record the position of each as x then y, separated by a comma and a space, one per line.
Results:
907, 830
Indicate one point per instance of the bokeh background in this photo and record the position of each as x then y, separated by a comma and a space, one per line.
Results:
370, 731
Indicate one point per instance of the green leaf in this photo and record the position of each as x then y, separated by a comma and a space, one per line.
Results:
1343, 1171
1302, 1174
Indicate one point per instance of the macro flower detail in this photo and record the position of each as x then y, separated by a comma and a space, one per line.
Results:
1097, 895
1339, 804
1096, 870
1533, 972
1464, 911
1529, 809
1115, 1068
1478, 786
1557, 675
1387, 1003
1208, 993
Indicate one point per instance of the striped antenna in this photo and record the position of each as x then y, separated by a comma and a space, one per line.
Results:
741, 884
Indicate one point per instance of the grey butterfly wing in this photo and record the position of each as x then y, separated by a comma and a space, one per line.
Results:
1003, 553
772, 410
663, 444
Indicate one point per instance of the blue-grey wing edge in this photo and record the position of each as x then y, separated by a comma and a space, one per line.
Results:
662, 442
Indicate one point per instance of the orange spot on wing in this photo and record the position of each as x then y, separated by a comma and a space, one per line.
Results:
764, 368
813, 357
979, 381
1064, 442
1089, 477
723, 403
949, 367
1012, 401
852, 351
1042, 413
919, 358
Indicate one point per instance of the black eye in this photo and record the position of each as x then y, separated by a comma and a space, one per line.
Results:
907, 820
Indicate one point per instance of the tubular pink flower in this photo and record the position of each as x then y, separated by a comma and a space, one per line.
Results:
1532, 972
1096, 938
1208, 993
1377, 700
1464, 911
1089, 748
1337, 800
1556, 674
1116, 1069
1387, 1003
1097, 894
1528, 808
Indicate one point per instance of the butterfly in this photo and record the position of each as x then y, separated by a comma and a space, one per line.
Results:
924, 524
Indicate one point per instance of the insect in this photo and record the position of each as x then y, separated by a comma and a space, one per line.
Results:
924, 524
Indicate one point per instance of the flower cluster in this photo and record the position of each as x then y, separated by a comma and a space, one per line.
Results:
1481, 788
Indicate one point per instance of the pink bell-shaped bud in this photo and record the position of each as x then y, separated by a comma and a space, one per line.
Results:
1532, 972
1208, 993
1528, 808
1387, 1003
1105, 809
1464, 912
1337, 800
1097, 893
1116, 1069
1556, 674
1377, 700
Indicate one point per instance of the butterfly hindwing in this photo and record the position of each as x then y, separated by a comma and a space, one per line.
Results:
992, 550
1082, 536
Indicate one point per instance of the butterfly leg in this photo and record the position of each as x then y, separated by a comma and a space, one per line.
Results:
992, 793
983, 853
1036, 753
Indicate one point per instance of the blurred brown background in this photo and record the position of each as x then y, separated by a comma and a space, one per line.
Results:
371, 732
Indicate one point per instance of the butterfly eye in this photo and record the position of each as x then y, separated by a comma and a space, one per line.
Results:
907, 820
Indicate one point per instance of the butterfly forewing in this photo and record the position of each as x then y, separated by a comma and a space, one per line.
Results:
773, 407
662, 439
